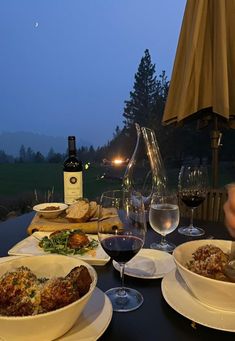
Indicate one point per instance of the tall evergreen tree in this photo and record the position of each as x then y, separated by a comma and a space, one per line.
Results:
39, 157
117, 131
162, 87
4, 158
50, 154
142, 99
29, 154
22, 153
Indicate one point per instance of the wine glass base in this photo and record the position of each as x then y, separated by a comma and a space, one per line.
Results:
167, 247
191, 231
130, 299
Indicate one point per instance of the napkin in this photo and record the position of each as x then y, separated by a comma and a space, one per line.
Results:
149, 267
141, 266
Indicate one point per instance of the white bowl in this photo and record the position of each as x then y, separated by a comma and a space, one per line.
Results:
211, 292
50, 214
51, 325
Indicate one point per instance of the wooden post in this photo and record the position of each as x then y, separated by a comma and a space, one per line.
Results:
215, 137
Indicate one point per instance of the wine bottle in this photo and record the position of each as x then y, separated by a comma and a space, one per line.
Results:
73, 182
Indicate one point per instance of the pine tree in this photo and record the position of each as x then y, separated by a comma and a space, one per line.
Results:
117, 131
22, 153
50, 154
29, 154
39, 158
162, 86
142, 99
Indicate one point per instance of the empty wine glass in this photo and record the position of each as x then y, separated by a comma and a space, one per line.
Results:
123, 241
193, 182
164, 218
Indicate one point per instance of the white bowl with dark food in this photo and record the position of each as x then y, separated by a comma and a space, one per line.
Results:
201, 264
43, 296
50, 210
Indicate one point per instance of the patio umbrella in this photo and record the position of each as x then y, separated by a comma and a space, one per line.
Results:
202, 81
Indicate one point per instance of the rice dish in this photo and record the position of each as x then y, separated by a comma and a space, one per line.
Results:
23, 294
209, 261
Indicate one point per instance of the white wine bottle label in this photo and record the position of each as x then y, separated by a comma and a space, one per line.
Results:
73, 187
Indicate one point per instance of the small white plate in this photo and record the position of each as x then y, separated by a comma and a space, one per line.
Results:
179, 297
148, 264
29, 247
50, 214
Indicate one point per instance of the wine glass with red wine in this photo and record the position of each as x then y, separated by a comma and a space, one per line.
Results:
121, 232
193, 183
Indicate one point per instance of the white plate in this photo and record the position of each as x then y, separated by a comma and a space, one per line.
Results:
179, 297
50, 213
94, 320
29, 246
148, 264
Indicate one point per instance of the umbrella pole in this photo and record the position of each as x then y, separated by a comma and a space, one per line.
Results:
215, 137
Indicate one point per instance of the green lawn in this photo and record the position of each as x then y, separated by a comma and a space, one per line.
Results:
16, 179
18, 182
22, 177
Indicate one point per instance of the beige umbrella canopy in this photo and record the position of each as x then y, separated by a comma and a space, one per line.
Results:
203, 77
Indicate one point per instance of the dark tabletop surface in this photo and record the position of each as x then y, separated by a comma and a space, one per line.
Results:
155, 319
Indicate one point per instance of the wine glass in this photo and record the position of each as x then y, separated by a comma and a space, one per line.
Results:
164, 218
193, 182
123, 240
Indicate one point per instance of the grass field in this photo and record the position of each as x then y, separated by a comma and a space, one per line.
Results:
23, 178
26, 177
18, 182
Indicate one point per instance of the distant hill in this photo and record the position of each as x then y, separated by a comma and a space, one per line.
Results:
11, 142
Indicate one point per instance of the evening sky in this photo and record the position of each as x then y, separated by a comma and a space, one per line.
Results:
67, 66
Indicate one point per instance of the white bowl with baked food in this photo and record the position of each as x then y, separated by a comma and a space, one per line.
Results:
217, 293
50, 210
47, 325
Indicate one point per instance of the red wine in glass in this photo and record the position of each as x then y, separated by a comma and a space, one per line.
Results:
192, 200
123, 240
122, 248
193, 182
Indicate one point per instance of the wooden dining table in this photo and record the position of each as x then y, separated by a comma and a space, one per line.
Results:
155, 319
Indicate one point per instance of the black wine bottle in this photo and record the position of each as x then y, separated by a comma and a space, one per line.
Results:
73, 182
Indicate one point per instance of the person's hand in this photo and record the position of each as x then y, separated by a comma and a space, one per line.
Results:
229, 210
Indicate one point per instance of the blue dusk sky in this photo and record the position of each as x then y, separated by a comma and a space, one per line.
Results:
67, 66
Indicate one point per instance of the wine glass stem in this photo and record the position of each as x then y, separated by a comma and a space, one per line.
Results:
122, 291
163, 240
191, 218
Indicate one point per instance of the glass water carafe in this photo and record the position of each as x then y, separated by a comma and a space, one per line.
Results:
129, 179
155, 159
145, 175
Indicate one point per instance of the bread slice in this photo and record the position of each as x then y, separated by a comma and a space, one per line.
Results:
108, 212
79, 211
93, 209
